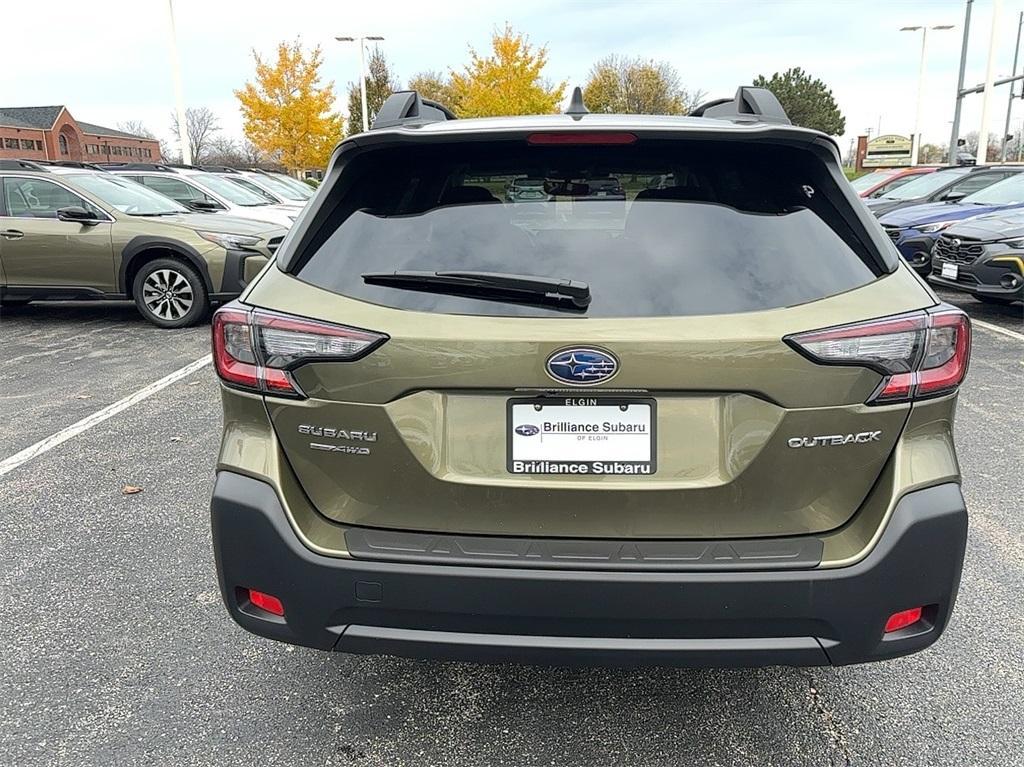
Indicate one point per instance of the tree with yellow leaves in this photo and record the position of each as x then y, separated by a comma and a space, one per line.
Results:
287, 112
508, 82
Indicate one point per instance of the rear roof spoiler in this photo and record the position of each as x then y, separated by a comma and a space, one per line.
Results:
750, 104
409, 109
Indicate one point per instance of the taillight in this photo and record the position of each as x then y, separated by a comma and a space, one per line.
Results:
257, 350
924, 354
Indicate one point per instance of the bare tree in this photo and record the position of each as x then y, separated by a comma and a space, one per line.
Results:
222, 150
168, 154
135, 128
252, 155
200, 124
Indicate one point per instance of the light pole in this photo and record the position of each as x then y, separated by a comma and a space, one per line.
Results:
362, 70
916, 145
179, 100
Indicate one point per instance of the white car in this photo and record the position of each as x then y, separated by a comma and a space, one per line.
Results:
202, 191
274, 186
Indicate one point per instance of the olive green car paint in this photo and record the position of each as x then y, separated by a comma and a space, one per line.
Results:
756, 443
725, 454
67, 259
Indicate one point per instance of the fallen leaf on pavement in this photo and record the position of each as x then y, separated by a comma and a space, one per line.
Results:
130, 490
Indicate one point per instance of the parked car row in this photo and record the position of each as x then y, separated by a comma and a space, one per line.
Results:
960, 227
173, 240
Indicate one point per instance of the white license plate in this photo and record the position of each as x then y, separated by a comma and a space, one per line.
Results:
950, 271
581, 435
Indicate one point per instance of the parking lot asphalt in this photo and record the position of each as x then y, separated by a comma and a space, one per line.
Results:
118, 651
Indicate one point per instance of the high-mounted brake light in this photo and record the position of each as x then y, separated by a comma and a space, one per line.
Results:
581, 138
257, 350
923, 354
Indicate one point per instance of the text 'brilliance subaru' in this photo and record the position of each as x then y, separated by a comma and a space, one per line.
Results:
707, 424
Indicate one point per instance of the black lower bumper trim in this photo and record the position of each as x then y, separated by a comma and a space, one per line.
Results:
618, 617
578, 554
490, 648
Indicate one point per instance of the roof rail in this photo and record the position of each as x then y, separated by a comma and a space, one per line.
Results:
21, 165
750, 104
408, 109
134, 166
183, 166
216, 168
70, 164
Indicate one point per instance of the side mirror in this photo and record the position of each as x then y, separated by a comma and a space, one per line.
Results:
953, 196
78, 215
204, 206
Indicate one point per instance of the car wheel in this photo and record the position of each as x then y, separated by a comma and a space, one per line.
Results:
170, 294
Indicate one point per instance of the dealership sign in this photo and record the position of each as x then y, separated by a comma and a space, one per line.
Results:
888, 151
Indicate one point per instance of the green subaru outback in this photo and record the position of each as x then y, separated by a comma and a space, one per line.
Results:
710, 423
82, 233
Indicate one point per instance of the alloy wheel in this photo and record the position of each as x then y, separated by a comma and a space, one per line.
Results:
168, 294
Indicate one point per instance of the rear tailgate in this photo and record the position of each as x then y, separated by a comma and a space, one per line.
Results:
720, 249
429, 412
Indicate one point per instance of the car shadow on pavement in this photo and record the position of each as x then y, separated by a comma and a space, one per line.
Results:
115, 312
394, 711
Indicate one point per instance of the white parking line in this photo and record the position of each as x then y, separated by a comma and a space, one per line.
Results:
997, 329
62, 436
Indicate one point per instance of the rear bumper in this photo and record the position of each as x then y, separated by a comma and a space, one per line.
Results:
714, 618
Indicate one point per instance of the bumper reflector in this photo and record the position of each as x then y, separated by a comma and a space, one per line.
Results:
903, 619
266, 602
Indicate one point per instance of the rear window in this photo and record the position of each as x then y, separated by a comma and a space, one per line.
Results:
654, 228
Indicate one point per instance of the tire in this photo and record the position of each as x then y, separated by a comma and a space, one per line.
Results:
170, 294
14, 303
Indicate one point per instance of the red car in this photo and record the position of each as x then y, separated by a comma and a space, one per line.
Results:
879, 182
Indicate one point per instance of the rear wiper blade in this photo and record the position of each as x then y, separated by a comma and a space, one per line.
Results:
493, 285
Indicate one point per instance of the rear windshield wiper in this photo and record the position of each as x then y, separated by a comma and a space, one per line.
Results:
494, 286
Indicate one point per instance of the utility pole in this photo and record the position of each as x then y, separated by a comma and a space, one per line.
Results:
179, 98
362, 71
960, 86
993, 37
1009, 101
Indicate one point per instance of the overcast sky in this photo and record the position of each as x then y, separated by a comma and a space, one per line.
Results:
114, 66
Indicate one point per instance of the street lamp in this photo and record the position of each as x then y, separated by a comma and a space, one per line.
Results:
916, 145
362, 69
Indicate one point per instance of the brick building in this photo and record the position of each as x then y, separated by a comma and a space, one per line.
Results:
51, 133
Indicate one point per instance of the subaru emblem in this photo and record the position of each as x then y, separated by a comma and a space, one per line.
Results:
582, 367
527, 430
